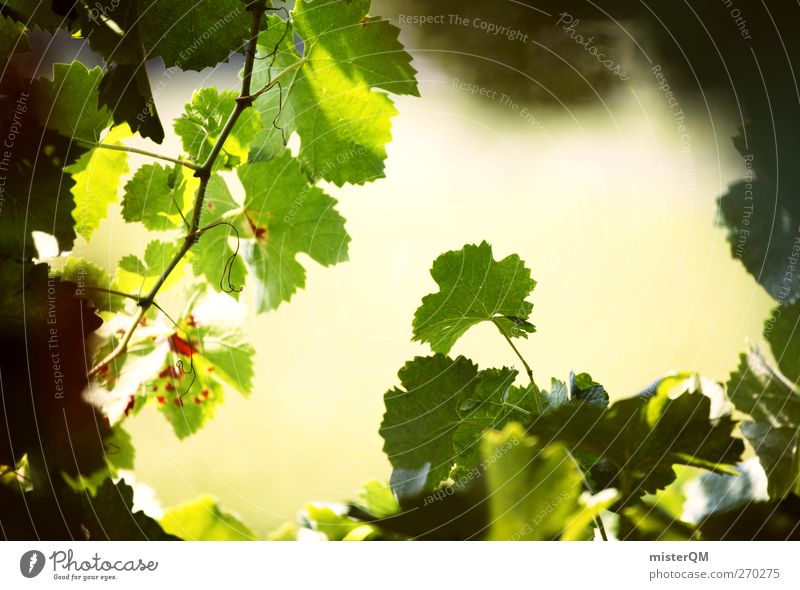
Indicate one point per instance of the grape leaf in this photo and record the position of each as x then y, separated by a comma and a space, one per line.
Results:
422, 417
276, 51
155, 197
474, 288
756, 521
204, 359
69, 104
138, 276
125, 91
97, 175
640, 522
86, 275
212, 256
641, 439
186, 34
203, 520
493, 403
288, 216
436, 420
109, 516
13, 38
187, 396
782, 332
365, 48
192, 34
585, 389
58, 514
125, 87
119, 455
34, 14
36, 191
757, 389
534, 490
338, 96
45, 347
204, 118
774, 404
762, 231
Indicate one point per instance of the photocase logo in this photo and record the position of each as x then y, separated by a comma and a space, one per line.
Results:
31, 563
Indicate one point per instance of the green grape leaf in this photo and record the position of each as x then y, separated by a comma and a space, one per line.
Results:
203, 120
46, 344
13, 38
212, 256
287, 216
59, 513
119, 455
377, 498
34, 14
110, 27
203, 520
155, 197
640, 522
585, 389
337, 95
782, 331
91, 281
276, 51
204, 360
125, 87
773, 402
193, 34
190, 34
422, 417
97, 175
556, 397
36, 192
135, 275
643, 438
187, 396
474, 288
533, 490
186, 34
366, 49
493, 403
109, 516
333, 522
756, 521
437, 418
760, 391
762, 232
230, 355
125, 91
68, 103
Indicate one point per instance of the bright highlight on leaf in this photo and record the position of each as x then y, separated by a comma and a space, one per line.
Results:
339, 96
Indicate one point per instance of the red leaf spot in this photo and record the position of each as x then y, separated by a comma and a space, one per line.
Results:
181, 346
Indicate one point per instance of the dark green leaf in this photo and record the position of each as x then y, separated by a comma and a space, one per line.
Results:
642, 439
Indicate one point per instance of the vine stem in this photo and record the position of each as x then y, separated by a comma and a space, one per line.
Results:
587, 486
203, 172
133, 150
